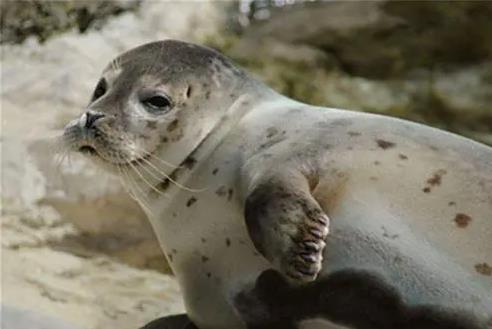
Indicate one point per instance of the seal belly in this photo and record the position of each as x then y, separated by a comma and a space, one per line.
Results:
212, 262
211, 252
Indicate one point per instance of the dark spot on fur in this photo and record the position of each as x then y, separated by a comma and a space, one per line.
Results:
451, 203
164, 139
189, 162
402, 156
162, 186
356, 299
373, 178
205, 259
484, 269
203, 240
191, 201
174, 251
462, 220
353, 133
435, 180
151, 124
207, 94
175, 214
209, 274
173, 125
215, 171
230, 192
228, 242
178, 135
221, 191
385, 144
377, 163
271, 131
188, 92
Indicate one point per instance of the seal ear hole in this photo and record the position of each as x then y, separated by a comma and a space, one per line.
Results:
100, 90
188, 91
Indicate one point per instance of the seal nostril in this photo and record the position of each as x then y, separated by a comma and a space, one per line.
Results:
92, 117
86, 149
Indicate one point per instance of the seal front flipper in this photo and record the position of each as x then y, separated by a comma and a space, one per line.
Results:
287, 225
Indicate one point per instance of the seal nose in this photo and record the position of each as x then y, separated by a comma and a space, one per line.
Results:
88, 118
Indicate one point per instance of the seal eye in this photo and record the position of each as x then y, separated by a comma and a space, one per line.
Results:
157, 103
100, 89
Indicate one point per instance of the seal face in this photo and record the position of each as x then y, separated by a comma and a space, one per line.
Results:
277, 214
147, 99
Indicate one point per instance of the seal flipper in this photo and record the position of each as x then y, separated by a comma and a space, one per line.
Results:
287, 225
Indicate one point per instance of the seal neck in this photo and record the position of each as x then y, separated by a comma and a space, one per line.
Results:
156, 195
250, 96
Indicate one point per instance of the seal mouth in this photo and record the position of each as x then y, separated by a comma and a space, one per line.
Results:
87, 149
93, 151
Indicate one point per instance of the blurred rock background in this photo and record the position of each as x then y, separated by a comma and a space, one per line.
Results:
76, 249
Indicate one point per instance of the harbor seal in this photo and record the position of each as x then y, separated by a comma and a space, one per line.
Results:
277, 214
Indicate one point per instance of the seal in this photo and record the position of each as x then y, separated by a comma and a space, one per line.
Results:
277, 214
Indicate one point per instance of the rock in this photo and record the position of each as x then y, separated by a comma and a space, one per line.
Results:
44, 287
47, 18
16, 318
384, 39
427, 62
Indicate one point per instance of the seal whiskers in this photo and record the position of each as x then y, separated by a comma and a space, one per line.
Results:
146, 182
135, 191
162, 174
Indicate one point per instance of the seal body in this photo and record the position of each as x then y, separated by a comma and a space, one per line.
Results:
244, 219
409, 204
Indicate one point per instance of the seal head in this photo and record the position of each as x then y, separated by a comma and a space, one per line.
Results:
162, 97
